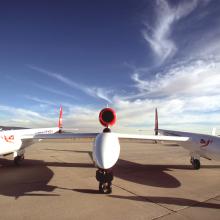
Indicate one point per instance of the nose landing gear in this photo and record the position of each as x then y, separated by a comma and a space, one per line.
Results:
195, 163
104, 177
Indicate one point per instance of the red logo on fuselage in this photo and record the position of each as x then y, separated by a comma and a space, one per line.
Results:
9, 139
205, 143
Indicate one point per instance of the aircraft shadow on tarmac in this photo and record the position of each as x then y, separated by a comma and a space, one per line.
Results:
145, 174
170, 201
34, 175
31, 178
152, 175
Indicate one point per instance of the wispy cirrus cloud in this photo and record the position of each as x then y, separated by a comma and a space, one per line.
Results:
54, 91
24, 117
159, 36
186, 94
95, 92
39, 100
185, 79
45, 103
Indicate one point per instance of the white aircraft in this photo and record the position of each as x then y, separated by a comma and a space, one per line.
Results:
106, 148
199, 145
15, 141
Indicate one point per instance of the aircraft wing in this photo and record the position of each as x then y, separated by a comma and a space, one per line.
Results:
119, 135
154, 137
65, 136
173, 133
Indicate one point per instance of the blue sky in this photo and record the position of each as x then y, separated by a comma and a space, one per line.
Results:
132, 55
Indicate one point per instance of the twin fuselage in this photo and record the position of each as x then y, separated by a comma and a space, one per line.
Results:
15, 140
106, 148
207, 146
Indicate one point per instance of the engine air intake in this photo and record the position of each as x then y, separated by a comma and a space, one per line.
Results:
107, 117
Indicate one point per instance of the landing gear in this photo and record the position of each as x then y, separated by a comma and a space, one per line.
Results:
195, 163
18, 156
18, 159
104, 177
105, 188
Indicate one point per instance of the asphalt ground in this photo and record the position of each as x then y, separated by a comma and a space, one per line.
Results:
151, 181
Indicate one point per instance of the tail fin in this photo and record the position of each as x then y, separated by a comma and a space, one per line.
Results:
60, 122
156, 123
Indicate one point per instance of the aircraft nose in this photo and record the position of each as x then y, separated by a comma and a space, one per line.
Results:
106, 150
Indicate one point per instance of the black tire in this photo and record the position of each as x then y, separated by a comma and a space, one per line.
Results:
105, 188
18, 160
102, 176
196, 164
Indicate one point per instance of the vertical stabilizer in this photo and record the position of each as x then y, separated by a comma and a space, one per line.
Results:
156, 123
60, 122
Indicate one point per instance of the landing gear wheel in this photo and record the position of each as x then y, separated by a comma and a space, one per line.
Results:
195, 163
18, 160
104, 177
105, 188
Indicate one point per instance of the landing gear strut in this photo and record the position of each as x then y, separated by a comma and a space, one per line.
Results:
104, 177
195, 163
18, 159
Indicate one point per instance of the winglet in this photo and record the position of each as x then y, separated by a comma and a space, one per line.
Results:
156, 123
60, 122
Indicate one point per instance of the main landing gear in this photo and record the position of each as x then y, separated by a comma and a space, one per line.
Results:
104, 177
195, 163
18, 159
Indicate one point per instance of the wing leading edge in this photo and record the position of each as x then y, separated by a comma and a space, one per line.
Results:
119, 135
64, 136
154, 137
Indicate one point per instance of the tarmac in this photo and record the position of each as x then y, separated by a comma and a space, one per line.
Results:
151, 181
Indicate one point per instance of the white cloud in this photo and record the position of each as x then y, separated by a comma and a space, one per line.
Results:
186, 94
188, 79
55, 91
159, 36
38, 100
91, 91
24, 117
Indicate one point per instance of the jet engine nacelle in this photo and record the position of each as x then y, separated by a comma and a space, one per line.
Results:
107, 117
106, 150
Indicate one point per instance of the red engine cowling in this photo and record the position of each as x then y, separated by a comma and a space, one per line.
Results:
107, 117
